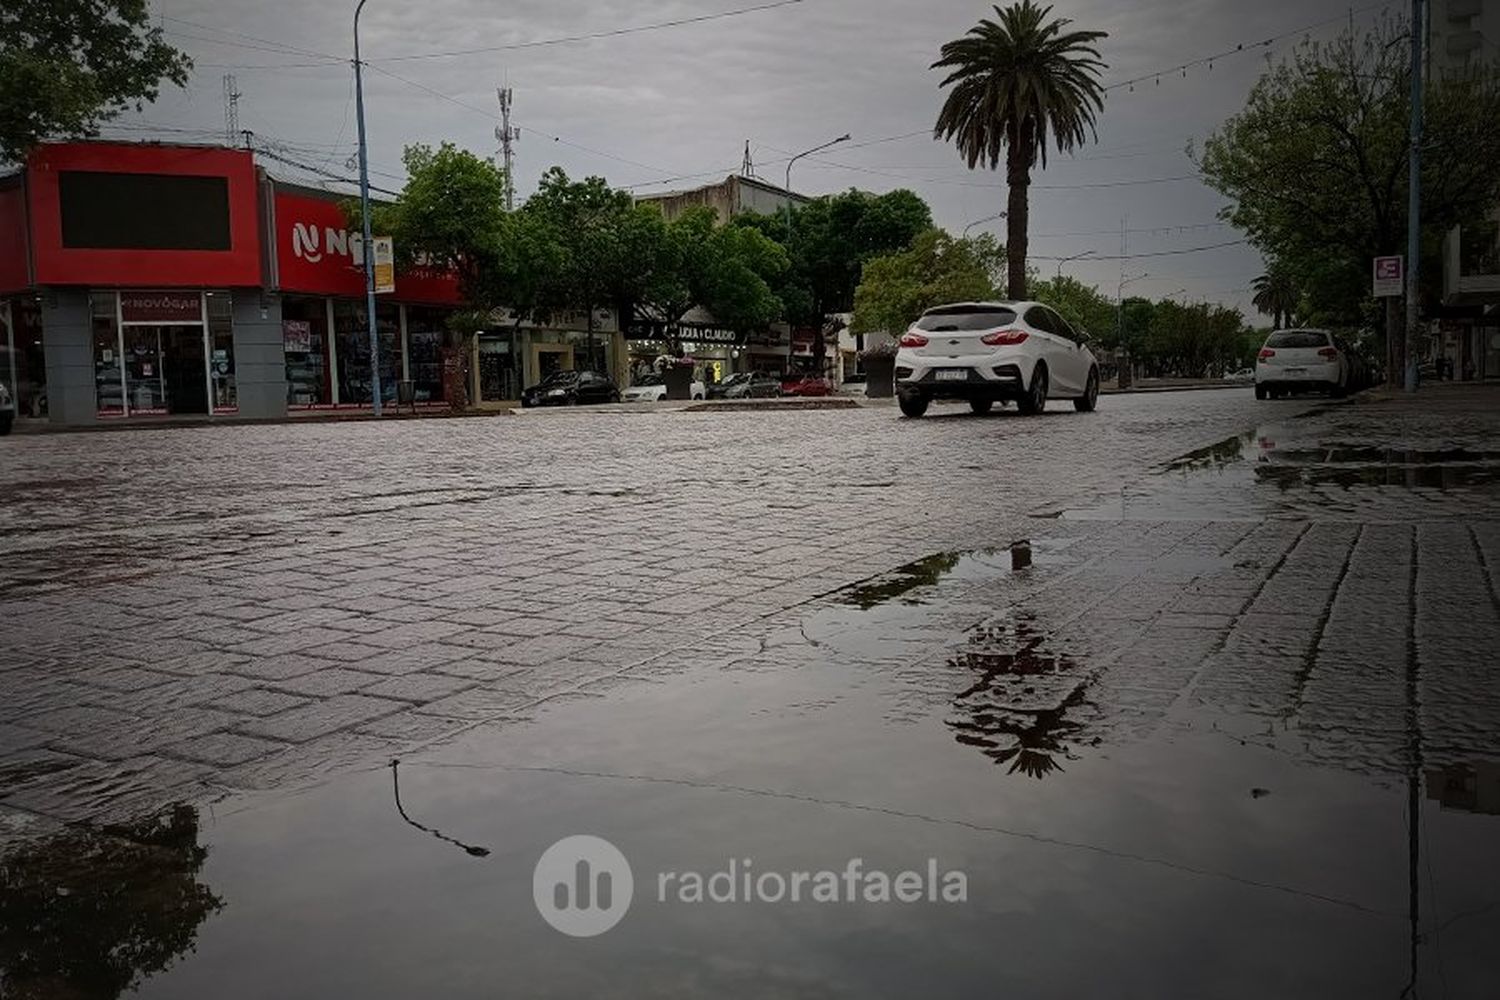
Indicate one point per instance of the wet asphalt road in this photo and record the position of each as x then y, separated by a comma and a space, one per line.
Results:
1177, 754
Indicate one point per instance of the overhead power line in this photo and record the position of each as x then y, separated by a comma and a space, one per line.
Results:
1158, 253
594, 35
1243, 47
271, 45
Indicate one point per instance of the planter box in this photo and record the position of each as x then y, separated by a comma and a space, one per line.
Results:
880, 377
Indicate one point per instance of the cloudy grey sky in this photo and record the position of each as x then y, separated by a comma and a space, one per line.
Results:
642, 109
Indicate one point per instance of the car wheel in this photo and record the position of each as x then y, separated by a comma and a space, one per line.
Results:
981, 405
1260, 392
1035, 400
5, 424
615, 398
697, 397
912, 404
1090, 397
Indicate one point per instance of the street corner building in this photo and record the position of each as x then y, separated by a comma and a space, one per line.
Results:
143, 281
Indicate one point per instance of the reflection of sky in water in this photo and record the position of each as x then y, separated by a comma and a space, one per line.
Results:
1282, 471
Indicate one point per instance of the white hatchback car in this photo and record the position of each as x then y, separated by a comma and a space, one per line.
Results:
1294, 361
982, 352
652, 389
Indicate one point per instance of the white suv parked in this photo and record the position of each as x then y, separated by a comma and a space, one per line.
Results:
1294, 361
988, 351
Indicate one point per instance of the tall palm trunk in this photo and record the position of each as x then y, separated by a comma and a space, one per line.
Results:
1018, 157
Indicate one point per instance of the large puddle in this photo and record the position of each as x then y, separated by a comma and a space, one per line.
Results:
1289, 470
918, 724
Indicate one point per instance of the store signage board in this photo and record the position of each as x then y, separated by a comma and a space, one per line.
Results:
1390, 277
161, 307
385, 265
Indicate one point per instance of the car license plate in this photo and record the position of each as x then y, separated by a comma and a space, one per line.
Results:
1296, 371
952, 374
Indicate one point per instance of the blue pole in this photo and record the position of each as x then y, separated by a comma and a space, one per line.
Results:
364, 211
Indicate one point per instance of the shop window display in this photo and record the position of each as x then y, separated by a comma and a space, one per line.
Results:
221, 353
426, 333
497, 369
109, 364
353, 341
304, 328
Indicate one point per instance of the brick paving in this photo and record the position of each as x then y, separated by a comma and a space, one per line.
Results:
191, 612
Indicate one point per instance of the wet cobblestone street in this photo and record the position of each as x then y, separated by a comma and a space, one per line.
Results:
1205, 594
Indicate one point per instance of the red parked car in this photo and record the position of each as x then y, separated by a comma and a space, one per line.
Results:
799, 384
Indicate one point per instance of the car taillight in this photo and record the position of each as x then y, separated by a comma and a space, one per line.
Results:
913, 340
1329, 352
1004, 338
1266, 352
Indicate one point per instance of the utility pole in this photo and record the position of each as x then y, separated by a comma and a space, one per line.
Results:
507, 136
231, 111
747, 166
1123, 375
364, 211
1414, 201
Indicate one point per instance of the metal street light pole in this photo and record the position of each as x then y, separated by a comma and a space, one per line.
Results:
1076, 256
364, 211
806, 152
1124, 377
980, 222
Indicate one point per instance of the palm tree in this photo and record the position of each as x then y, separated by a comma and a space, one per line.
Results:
1016, 80
1276, 296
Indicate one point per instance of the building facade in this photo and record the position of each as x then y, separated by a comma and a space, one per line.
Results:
730, 197
1462, 34
140, 281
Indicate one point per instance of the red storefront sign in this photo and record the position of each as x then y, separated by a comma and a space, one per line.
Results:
110, 213
318, 253
161, 307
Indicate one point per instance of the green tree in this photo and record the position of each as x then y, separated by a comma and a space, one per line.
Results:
939, 268
593, 224
1315, 166
690, 261
68, 65
1083, 305
1276, 296
450, 216
829, 242
1016, 81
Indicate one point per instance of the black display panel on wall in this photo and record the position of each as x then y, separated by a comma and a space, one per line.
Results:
115, 211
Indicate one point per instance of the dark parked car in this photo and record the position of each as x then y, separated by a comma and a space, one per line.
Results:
746, 385
571, 389
797, 384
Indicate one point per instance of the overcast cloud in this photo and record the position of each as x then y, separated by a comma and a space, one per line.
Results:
683, 100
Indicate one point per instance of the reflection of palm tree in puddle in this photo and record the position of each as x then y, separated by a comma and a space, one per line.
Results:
1023, 707
90, 912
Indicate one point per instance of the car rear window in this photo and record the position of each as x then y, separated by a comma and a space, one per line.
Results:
1298, 338
964, 319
